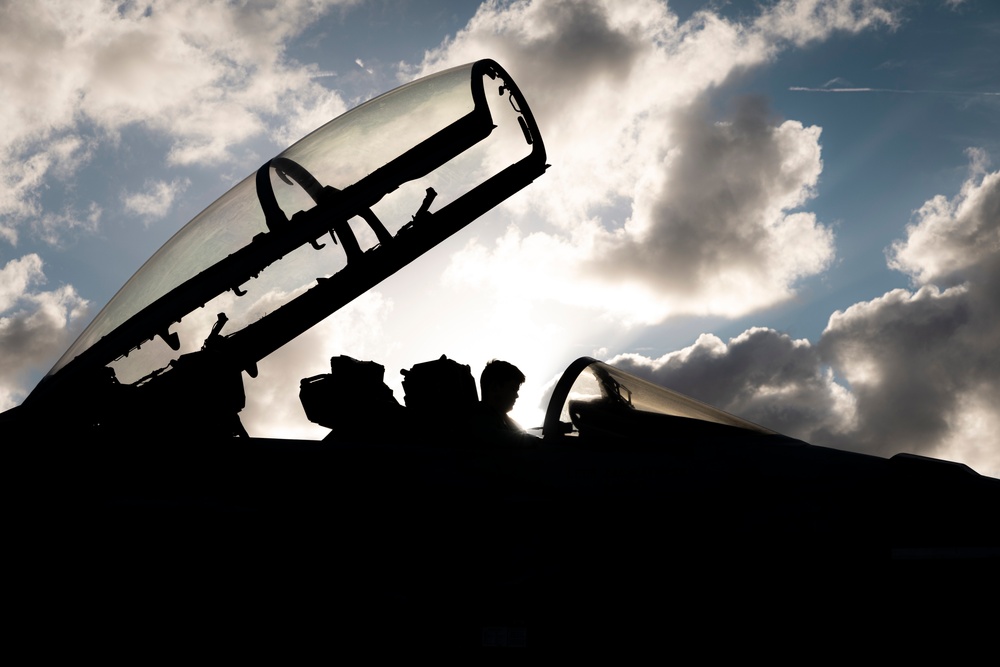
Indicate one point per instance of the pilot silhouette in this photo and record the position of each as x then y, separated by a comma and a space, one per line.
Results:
499, 385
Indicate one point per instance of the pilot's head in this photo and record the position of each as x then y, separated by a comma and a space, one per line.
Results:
499, 384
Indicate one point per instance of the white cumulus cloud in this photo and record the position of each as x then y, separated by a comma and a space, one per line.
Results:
157, 198
35, 325
656, 204
909, 371
206, 75
950, 236
761, 375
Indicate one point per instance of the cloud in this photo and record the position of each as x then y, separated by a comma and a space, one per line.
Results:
909, 371
33, 335
600, 77
804, 21
950, 236
907, 360
923, 363
761, 375
54, 228
19, 194
718, 236
16, 276
605, 78
208, 76
669, 207
156, 200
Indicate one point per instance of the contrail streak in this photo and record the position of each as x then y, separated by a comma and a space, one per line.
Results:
888, 90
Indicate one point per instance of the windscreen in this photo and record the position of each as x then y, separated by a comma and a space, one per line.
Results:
591, 383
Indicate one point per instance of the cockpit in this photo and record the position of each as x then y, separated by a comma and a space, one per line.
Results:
312, 229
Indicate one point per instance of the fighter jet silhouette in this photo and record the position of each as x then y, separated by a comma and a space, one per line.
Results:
156, 499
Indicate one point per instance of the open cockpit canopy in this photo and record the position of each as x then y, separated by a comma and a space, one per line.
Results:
315, 227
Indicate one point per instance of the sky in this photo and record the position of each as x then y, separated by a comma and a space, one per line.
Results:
789, 209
